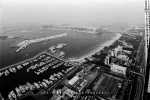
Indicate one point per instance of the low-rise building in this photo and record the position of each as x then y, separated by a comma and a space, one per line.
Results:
122, 57
73, 80
118, 69
127, 51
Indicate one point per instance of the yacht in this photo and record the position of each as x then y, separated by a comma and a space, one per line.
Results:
12, 93
50, 81
6, 72
58, 76
46, 81
51, 77
11, 70
55, 74
41, 85
62, 53
18, 92
33, 86
28, 85
19, 67
55, 79
22, 89
14, 70
44, 84
1, 73
10, 97
37, 85
60, 73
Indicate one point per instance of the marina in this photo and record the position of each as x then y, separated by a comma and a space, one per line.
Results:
34, 69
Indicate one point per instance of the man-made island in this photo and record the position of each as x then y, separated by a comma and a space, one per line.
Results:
9, 37
25, 43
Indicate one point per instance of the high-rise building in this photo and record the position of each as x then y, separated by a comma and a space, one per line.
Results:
147, 27
107, 60
147, 37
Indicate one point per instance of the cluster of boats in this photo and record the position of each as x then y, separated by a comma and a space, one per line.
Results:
44, 61
19, 91
61, 45
57, 52
22, 89
20, 66
11, 70
45, 68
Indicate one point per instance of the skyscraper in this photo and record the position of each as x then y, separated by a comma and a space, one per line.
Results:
147, 36
147, 26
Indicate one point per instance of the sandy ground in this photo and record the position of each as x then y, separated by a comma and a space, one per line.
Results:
108, 43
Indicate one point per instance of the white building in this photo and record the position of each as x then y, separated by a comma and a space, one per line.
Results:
127, 51
112, 53
147, 35
118, 69
73, 80
117, 51
107, 60
122, 57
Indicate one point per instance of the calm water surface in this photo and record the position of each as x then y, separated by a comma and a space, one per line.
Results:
78, 44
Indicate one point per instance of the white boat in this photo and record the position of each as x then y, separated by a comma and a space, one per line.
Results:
58, 76
61, 45
6, 72
10, 97
62, 53
11, 70
60, 73
51, 82
37, 85
52, 77
22, 89
14, 70
28, 85
33, 86
18, 92
46, 81
19, 67
41, 85
12, 93
44, 84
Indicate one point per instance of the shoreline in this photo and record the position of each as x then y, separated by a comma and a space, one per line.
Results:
107, 43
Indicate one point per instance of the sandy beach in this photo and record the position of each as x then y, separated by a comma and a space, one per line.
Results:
108, 43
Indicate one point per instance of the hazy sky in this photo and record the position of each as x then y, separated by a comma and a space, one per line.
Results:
78, 12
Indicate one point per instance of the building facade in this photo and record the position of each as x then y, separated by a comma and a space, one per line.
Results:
146, 35
118, 69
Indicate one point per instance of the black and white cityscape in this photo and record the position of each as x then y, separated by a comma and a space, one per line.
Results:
75, 50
